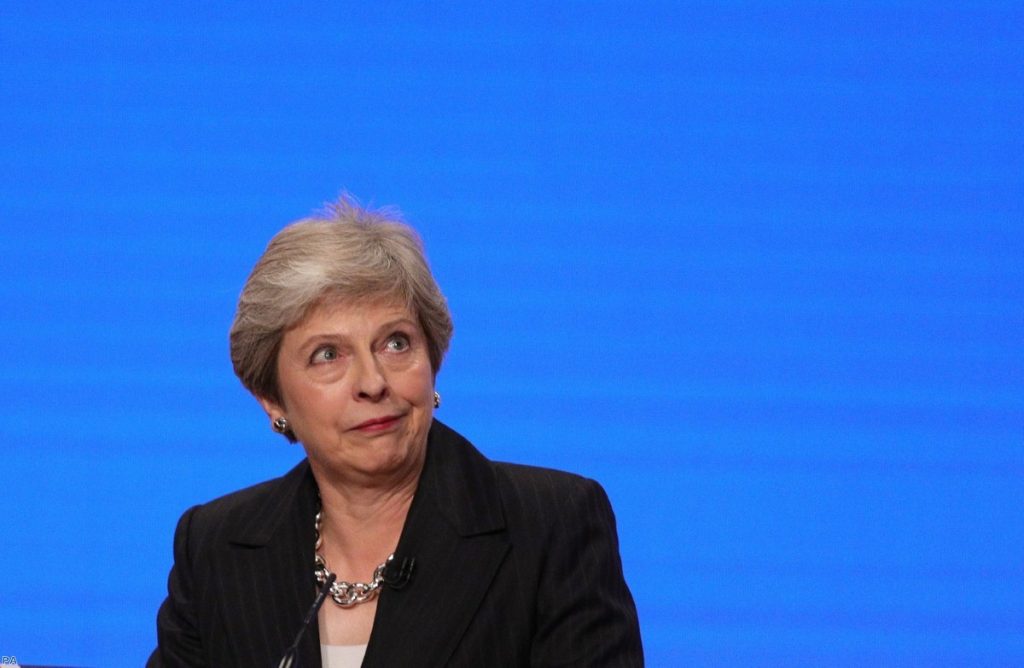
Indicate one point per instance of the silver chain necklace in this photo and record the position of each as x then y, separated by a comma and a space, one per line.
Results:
346, 594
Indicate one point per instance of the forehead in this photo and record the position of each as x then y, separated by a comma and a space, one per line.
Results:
341, 316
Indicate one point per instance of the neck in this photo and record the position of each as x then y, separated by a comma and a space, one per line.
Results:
362, 524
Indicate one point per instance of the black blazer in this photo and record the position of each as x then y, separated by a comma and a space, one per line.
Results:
515, 566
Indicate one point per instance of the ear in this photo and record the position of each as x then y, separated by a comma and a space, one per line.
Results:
272, 408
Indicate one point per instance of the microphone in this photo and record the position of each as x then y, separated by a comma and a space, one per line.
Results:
291, 655
398, 573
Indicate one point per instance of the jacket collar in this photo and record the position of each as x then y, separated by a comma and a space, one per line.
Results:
455, 533
272, 536
295, 492
456, 479
454, 530
461, 483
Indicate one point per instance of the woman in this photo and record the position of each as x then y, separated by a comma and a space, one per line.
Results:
442, 557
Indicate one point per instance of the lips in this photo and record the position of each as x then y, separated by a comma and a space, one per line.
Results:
378, 424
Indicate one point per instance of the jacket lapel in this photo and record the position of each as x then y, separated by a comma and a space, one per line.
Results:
270, 612
455, 532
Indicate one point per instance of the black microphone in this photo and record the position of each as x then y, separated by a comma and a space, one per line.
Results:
291, 655
398, 572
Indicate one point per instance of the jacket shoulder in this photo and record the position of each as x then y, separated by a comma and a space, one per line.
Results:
241, 498
251, 514
543, 494
538, 478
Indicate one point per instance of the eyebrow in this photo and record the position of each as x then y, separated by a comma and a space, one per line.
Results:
326, 336
397, 321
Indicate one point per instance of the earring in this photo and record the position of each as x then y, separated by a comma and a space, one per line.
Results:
437, 400
280, 424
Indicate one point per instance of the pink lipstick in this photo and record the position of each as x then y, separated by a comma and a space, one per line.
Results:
378, 424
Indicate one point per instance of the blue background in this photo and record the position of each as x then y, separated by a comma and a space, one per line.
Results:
756, 267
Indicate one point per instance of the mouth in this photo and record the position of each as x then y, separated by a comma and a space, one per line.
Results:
378, 424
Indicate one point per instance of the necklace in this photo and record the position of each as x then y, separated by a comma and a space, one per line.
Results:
346, 594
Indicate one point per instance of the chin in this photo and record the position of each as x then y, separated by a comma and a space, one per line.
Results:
389, 459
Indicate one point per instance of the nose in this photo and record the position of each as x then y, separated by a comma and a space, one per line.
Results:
369, 382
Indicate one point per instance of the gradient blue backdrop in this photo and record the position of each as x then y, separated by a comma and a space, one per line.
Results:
756, 267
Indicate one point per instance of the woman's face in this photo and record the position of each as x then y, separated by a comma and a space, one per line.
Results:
357, 389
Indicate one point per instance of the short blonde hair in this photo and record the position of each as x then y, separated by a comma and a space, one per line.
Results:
347, 253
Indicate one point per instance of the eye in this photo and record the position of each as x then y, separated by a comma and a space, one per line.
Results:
397, 343
323, 354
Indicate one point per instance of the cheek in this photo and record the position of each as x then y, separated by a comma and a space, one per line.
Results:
418, 382
317, 404
425, 388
